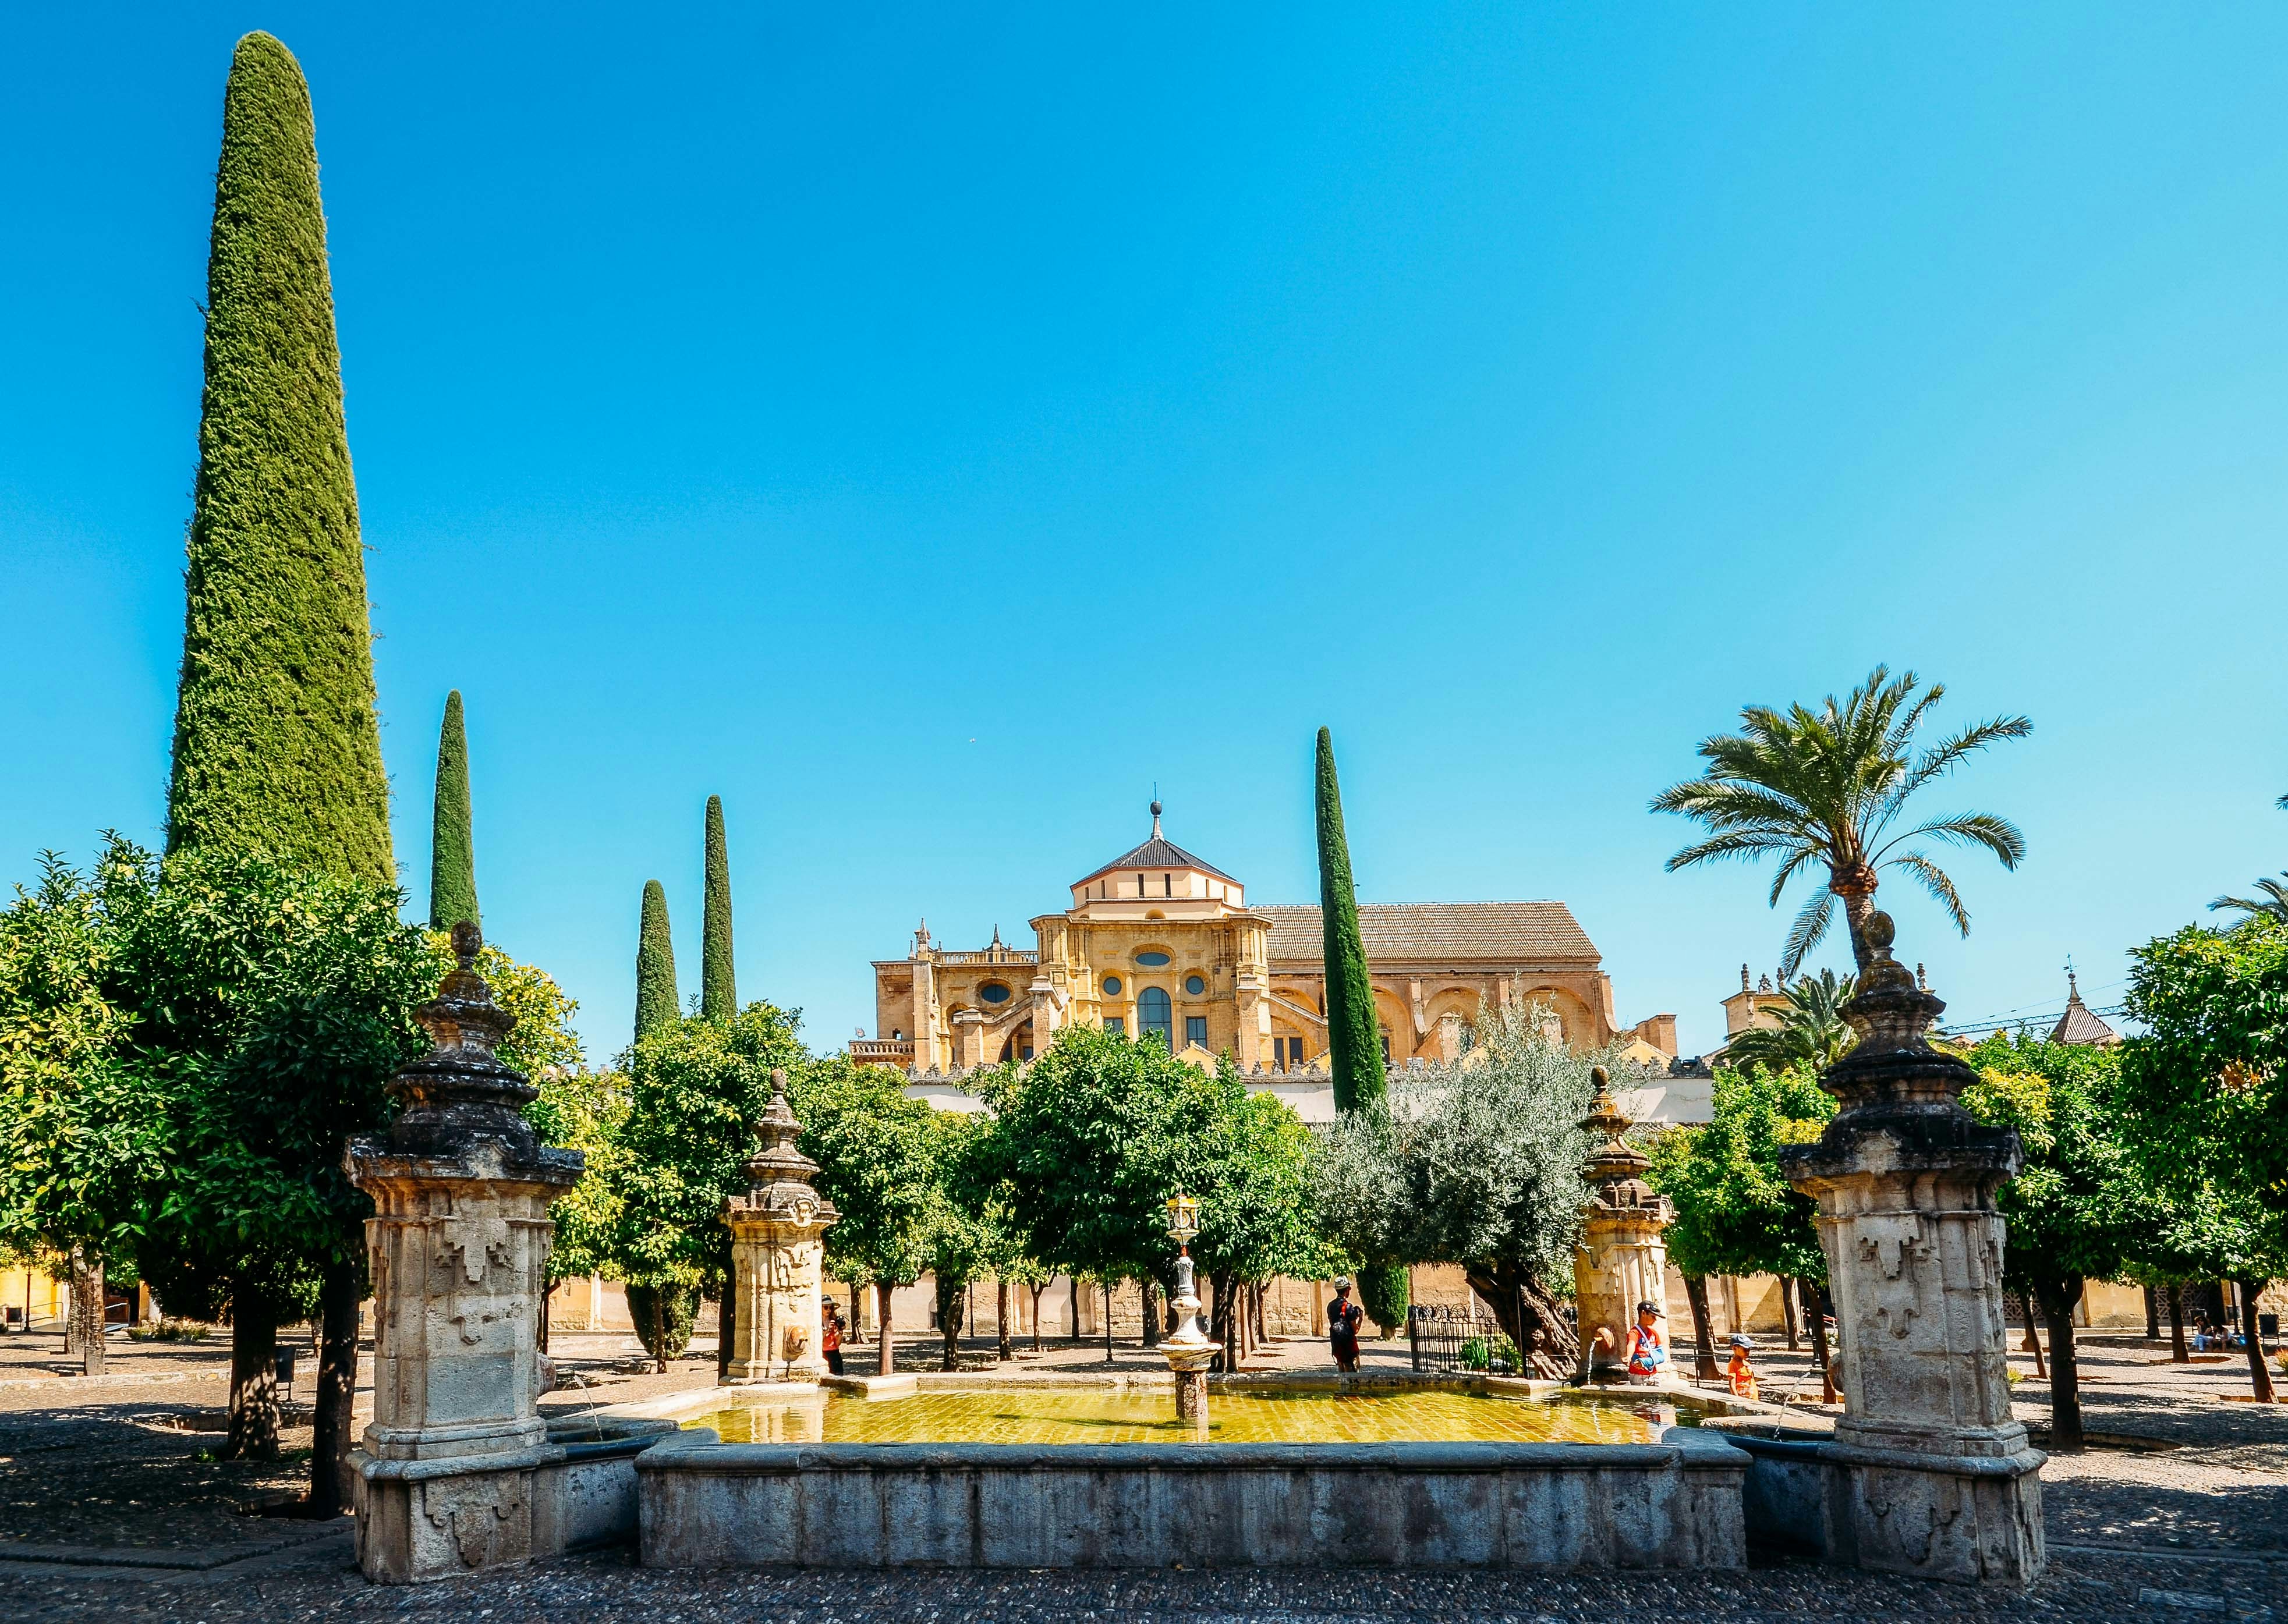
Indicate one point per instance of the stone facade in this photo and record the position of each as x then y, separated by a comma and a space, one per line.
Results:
1927, 1474
778, 1247
1621, 1260
1160, 939
458, 1249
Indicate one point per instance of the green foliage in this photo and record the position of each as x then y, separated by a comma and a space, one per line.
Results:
277, 746
1826, 787
587, 1111
2204, 1093
1812, 1033
1353, 1034
1476, 1164
698, 1087
879, 1157
1735, 1212
1384, 1291
2078, 1207
718, 993
452, 840
79, 1135
656, 1000
663, 1316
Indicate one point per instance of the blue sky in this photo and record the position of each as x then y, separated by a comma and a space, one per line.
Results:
929, 430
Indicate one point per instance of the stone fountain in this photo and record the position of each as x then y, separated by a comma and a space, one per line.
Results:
1927, 1473
1187, 1350
778, 1230
1622, 1260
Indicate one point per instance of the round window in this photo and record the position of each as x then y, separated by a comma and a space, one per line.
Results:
993, 992
1194, 985
1152, 960
1112, 986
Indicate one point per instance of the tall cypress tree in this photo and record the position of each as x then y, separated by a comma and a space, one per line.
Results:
656, 995
1353, 1033
719, 988
452, 843
277, 743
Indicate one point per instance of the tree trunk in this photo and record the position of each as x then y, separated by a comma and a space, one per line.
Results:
886, 1361
2179, 1354
1856, 886
952, 1310
727, 1324
340, 1289
1788, 1290
1219, 1322
1531, 1317
2152, 1315
253, 1377
1075, 1310
1704, 1339
87, 1314
1001, 1319
1817, 1321
1108, 1322
547, 1295
2057, 1296
659, 1330
1145, 1292
2260, 1374
2033, 1343
1037, 1290
1255, 1309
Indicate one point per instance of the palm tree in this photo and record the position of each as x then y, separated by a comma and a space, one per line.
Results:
2274, 906
1826, 786
1812, 1031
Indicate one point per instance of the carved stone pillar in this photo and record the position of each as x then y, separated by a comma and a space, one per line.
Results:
458, 1249
778, 1248
1622, 1260
1927, 1475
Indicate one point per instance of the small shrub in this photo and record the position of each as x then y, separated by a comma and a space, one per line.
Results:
169, 1330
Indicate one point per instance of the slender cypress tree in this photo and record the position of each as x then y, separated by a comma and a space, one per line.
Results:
656, 996
277, 743
1353, 1035
452, 843
719, 989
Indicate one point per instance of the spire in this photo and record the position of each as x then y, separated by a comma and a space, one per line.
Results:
1156, 820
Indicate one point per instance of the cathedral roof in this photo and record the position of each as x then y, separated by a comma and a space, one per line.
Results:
1157, 853
2081, 1023
1479, 932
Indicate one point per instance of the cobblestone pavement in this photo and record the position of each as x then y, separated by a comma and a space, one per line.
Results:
97, 1473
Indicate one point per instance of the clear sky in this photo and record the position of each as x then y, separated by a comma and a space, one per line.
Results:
928, 430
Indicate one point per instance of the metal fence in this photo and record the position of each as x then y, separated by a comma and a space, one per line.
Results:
1441, 1338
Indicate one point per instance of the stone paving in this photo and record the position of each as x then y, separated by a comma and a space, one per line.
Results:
97, 1480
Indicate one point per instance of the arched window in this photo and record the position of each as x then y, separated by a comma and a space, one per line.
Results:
1154, 1014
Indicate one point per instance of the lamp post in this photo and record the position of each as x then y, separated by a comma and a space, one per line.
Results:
1188, 1351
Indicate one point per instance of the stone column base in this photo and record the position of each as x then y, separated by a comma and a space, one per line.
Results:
419, 1520
1967, 1519
805, 1372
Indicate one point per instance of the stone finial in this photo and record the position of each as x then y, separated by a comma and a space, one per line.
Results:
779, 1175
461, 1091
1615, 1169
1744, 980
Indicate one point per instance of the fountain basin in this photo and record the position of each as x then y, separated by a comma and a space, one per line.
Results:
1673, 1500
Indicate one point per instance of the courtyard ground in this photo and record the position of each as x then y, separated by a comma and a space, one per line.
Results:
112, 1506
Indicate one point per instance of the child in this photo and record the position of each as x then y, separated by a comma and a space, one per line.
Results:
1648, 1349
1741, 1370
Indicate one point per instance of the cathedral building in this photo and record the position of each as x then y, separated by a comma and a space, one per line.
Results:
1158, 940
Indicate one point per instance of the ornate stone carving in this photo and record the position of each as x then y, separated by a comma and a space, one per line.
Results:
1622, 1260
777, 1254
1929, 1475
458, 1246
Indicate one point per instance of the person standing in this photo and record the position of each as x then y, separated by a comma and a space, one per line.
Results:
829, 1340
1343, 1316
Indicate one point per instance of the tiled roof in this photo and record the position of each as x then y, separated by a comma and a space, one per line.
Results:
1157, 853
2081, 1023
1467, 932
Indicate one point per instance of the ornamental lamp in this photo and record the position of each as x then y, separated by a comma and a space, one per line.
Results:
1183, 1217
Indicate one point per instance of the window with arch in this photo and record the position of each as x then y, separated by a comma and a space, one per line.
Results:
1154, 1014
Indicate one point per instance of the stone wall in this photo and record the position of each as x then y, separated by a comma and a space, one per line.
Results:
1675, 1504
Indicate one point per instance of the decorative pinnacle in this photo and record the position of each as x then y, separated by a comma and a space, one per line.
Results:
1156, 817
1614, 1168
468, 941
